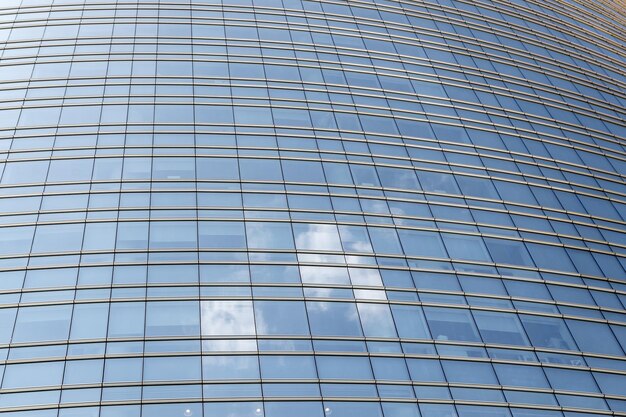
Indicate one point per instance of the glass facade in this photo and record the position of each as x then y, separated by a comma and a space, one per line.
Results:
306, 208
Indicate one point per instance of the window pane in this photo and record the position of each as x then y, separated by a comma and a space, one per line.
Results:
376, 320
172, 318
126, 319
224, 235
227, 318
324, 275
571, 380
47, 238
83, 372
260, 170
355, 239
70, 170
274, 273
385, 240
28, 375
230, 367
7, 319
317, 237
410, 322
290, 409
469, 248
469, 372
173, 235
344, 367
594, 337
521, 375
265, 235
132, 235
217, 169
425, 244
393, 369
428, 370
548, 332
347, 409
508, 252
281, 318
333, 319
500, 328
451, 324
288, 367
303, 171
173, 168
16, 240
123, 370
25, 172
550, 257
42, 323
224, 273
89, 321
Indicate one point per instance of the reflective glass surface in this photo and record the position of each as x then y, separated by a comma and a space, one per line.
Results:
312, 208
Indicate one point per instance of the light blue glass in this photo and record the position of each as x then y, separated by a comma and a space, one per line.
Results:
307, 208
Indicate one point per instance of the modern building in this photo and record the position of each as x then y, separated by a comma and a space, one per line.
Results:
306, 208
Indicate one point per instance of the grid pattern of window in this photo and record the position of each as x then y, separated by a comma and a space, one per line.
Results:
306, 208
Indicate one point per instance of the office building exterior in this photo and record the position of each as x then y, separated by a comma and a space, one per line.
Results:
307, 208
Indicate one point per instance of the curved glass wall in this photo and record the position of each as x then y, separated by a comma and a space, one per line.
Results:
310, 208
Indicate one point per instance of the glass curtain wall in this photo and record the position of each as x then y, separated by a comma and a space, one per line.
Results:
312, 208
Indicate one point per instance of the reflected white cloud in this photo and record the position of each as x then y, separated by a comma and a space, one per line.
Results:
227, 318
324, 275
317, 237
355, 239
228, 345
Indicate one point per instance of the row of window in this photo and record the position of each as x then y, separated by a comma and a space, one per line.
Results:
306, 345
409, 51
428, 377
176, 168
238, 28
159, 207
160, 291
549, 29
356, 78
106, 236
436, 18
225, 200
263, 201
479, 150
283, 236
477, 32
347, 209
340, 208
117, 111
419, 153
255, 112
133, 257
318, 318
336, 407
299, 368
165, 326
357, 70
303, 372
266, 146
357, 173
107, 282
